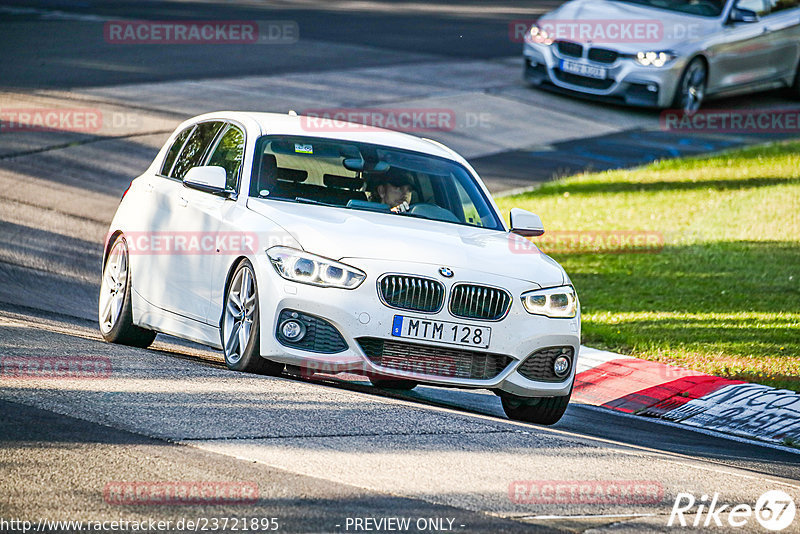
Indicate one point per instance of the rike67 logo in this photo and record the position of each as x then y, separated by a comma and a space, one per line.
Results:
774, 510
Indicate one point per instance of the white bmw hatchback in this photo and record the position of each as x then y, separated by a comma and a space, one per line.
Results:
339, 248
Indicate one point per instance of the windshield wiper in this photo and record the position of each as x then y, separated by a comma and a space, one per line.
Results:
304, 200
417, 215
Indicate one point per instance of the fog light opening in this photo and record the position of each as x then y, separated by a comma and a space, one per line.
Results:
561, 366
293, 330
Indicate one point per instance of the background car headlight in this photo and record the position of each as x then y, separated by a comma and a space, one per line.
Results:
537, 35
553, 302
654, 59
299, 266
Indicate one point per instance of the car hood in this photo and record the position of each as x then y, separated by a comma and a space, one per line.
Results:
340, 233
673, 28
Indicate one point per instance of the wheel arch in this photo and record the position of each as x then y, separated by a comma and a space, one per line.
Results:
112, 237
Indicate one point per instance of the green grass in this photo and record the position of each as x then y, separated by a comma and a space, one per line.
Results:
723, 294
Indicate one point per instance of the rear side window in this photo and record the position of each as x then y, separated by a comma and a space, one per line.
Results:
781, 5
759, 7
196, 147
228, 154
174, 149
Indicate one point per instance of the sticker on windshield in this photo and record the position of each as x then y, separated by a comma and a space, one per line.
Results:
303, 149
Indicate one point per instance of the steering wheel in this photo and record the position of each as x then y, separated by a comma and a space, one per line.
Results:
432, 211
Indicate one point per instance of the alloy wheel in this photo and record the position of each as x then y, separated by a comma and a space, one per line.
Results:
112, 286
240, 307
693, 87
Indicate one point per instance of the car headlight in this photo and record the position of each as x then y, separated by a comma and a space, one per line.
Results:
299, 266
654, 59
537, 35
553, 302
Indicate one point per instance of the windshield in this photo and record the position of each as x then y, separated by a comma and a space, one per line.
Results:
703, 8
368, 177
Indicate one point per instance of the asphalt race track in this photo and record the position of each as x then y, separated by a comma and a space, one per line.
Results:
321, 452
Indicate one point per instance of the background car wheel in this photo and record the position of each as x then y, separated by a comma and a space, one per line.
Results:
393, 383
692, 87
239, 327
114, 307
539, 410
795, 90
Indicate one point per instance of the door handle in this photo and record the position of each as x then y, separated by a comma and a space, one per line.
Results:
182, 202
148, 188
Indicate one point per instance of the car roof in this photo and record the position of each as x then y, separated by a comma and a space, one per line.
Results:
298, 125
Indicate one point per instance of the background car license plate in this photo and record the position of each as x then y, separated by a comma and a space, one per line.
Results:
580, 69
441, 331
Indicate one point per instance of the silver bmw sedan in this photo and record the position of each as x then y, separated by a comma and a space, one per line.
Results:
666, 53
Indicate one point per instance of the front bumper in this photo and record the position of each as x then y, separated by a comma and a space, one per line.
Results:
627, 81
359, 314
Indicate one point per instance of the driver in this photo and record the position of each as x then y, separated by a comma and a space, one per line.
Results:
393, 189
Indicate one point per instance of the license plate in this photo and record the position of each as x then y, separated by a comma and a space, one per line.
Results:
441, 331
590, 71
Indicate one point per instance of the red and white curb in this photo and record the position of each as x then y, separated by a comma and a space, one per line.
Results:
652, 389
677, 395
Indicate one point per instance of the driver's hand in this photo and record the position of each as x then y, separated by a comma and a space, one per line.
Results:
401, 208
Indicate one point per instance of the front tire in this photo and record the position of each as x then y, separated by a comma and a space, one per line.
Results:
115, 313
692, 87
795, 89
539, 410
240, 326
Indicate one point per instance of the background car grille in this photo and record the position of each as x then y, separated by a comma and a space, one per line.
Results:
583, 81
567, 48
412, 293
539, 365
472, 301
603, 55
433, 361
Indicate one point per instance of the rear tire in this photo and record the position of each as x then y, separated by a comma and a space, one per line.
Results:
240, 327
393, 383
115, 313
539, 410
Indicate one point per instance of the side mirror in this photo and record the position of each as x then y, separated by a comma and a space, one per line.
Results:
742, 15
525, 223
211, 179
